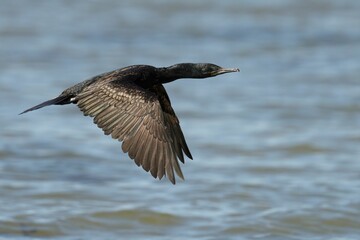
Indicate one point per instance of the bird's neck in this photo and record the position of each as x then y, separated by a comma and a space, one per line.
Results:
177, 71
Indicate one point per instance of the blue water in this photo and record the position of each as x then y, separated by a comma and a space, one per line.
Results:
276, 146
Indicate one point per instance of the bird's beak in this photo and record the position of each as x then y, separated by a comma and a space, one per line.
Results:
227, 70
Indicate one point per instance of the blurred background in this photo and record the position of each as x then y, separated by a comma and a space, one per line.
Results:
276, 146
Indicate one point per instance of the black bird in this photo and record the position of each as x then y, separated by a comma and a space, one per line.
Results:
131, 105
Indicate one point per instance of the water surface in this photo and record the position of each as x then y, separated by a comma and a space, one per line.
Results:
276, 146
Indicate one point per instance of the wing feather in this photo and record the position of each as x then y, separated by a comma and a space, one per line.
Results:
141, 119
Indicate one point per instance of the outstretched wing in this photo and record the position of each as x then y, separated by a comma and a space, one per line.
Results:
142, 120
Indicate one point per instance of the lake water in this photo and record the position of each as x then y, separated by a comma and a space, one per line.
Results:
276, 147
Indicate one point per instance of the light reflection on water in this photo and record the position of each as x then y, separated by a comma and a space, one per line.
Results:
275, 146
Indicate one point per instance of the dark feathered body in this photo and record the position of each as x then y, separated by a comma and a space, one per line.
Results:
131, 105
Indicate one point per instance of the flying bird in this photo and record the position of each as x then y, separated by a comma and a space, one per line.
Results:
131, 105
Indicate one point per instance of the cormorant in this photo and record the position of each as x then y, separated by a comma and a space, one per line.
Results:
131, 105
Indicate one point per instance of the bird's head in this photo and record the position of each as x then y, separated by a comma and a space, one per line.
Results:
204, 70
195, 70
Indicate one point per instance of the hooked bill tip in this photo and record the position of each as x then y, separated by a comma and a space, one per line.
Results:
235, 69
226, 70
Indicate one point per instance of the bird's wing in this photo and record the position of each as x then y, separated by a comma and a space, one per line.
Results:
135, 116
172, 122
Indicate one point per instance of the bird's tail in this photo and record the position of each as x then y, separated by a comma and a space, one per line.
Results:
56, 101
